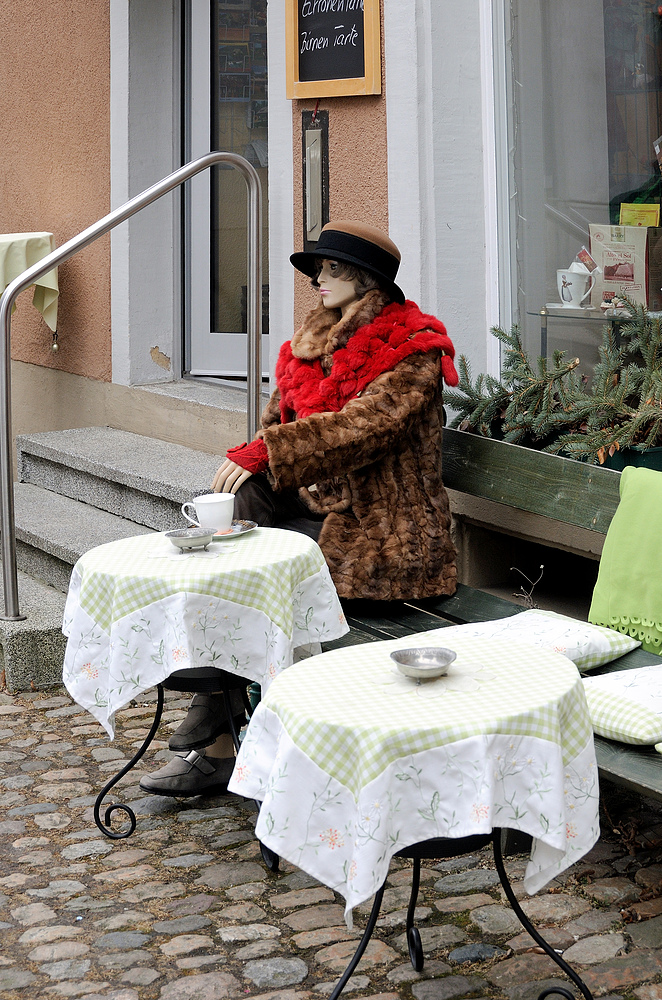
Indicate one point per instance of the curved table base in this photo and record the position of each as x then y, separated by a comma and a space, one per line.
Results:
105, 827
437, 849
176, 682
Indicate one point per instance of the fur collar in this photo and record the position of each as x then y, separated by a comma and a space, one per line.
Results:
360, 352
324, 330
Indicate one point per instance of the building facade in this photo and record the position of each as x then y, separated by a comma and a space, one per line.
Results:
501, 132
105, 99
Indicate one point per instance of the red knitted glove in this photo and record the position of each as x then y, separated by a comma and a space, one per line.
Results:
253, 457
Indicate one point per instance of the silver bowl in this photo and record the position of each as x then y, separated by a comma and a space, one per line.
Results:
191, 538
423, 662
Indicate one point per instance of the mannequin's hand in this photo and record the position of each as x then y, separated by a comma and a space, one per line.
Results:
229, 477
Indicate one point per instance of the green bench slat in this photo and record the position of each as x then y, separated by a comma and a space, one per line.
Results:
355, 637
636, 658
560, 488
468, 606
390, 621
635, 767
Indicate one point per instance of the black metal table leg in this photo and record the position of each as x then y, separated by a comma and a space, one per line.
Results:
443, 848
105, 825
198, 679
225, 691
363, 944
535, 934
270, 858
414, 944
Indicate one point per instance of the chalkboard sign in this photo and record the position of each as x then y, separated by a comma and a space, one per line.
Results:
333, 48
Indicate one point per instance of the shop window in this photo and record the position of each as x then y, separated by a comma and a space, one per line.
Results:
585, 103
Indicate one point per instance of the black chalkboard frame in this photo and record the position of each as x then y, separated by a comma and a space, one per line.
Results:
369, 83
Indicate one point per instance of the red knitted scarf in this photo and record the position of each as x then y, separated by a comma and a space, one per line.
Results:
398, 331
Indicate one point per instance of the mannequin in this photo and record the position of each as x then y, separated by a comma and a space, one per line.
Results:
349, 453
336, 292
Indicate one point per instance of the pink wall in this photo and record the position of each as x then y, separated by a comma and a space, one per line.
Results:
55, 167
358, 176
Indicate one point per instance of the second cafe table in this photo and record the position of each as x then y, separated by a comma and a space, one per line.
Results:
138, 610
354, 762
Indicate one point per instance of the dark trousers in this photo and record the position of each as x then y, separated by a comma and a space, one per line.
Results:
255, 500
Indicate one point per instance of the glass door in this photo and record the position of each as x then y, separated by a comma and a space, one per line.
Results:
227, 109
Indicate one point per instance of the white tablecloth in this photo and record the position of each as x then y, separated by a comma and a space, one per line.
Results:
353, 762
137, 610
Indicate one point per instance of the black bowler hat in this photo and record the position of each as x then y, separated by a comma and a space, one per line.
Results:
355, 243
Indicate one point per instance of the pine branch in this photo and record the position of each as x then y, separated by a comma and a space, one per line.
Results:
480, 405
553, 407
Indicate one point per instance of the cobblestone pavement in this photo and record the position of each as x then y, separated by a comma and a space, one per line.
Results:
186, 910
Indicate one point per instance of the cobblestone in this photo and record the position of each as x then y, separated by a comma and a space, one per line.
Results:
276, 971
186, 910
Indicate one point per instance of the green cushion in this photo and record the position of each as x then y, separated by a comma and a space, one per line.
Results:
628, 591
622, 719
587, 645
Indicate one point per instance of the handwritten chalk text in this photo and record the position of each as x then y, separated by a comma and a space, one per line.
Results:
346, 39
312, 44
311, 7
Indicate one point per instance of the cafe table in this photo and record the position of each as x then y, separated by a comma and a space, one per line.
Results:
18, 252
354, 763
139, 611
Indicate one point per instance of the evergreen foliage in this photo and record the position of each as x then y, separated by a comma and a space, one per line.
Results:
552, 407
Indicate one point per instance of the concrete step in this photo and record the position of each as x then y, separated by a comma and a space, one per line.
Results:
135, 477
53, 531
32, 651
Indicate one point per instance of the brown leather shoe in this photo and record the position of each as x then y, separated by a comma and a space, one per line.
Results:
190, 774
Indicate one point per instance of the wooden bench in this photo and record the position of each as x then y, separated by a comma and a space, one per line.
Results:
524, 494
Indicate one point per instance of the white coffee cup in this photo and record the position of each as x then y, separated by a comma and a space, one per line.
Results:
572, 286
212, 510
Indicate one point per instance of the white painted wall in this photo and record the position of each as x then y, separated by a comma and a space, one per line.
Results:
281, 187
145, 254
439, 93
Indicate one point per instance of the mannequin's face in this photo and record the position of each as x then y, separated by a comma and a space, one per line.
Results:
336, 293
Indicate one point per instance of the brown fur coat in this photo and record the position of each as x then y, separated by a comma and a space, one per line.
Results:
374, 468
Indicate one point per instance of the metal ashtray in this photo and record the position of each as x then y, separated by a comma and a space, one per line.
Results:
191, 538
424, 663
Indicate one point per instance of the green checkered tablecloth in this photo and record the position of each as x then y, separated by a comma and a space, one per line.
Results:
352, 762
259, 570
355, 714
138, 610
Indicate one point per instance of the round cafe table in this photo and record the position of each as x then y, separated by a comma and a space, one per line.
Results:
138, 610
354, 763
140, 614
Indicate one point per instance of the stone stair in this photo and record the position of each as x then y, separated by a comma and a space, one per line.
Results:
78, 489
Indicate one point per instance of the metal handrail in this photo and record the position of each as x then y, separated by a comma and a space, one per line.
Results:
67, 250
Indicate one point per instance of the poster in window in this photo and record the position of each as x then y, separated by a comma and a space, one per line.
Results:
333, 48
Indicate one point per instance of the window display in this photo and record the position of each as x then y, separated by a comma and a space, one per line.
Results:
586, 96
